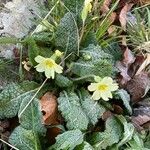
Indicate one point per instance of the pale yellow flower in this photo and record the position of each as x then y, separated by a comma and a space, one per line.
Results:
47, 65
103, 88
58, 53
86, 9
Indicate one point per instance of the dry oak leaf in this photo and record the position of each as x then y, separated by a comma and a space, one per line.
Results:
137, 86
123, 15
49, 108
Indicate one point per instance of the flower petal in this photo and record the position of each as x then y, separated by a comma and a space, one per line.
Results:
113, 87
106, 95
107, 80
92, 87
49, 73
58, 69
96, 95
39, 59
40, 68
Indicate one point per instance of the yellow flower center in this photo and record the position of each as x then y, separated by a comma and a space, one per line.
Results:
103, 87
49, 63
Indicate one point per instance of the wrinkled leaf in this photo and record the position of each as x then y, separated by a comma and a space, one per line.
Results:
67, 34
92, 109
25, 139
12, 96
71, 110
31, 119
68, 140
111, 135
63, 81
128, 131
84, 146
99, 62
125, 97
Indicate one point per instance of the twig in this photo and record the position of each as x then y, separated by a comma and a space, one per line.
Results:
19, 115
9, 144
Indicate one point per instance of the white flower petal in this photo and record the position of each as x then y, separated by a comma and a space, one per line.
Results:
58, 69
105, 96
107, 80
49, 73
39, 59
40, 68
92, 87
113, 87
96, 95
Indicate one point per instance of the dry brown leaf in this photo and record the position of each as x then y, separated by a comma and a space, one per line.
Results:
143, 2
141, 117
49, 108
106, 115
135, 66
144, 64
117, 109
123, 14
138, 86
124, 65
105, 6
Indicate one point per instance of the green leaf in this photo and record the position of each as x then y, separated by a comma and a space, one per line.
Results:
84, 146
136, 143
111, 135
25, 139
67, 36
99, 63
9, 40
33, 50
31, 119
68, 140
146, 141
125, 97
70, 107
128, 131
74, 6
11, 97
114, 50
92, 109
63, 81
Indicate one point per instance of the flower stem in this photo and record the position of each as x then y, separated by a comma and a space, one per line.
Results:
19, 115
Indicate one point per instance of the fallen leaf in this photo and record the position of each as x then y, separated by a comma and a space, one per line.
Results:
49, 109
105, 7
143, 2
123, 14
144, 64
52, 134
135, 66
117, 109
106, 115
141, 117
137, 86
124, 65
